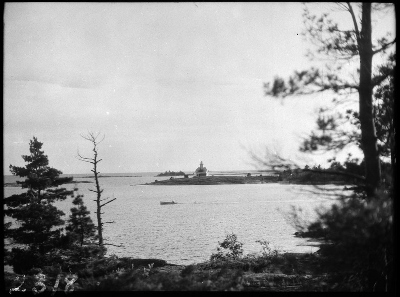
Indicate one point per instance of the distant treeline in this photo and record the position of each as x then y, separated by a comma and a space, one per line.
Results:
171, 173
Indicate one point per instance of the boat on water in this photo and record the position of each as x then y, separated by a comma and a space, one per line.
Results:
167, 202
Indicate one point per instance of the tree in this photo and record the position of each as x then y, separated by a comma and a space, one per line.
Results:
345, 45
80, 226
79, 248
357, 234
94, 161
333, 133
39, 223
230, 248
356, 239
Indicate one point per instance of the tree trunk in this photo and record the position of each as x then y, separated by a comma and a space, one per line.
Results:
368, 132
99, 223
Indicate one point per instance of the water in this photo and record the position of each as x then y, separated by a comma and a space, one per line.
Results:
189, 232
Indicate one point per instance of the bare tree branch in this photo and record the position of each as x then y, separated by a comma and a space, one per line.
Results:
384, 47
350, 9
107, 202
94, 140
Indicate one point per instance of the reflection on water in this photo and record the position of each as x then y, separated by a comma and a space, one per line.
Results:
189, 231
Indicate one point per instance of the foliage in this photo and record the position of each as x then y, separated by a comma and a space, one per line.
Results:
80, 226
358, 242
38, 227
134, 280
371, 126
267, 250
383, 109
337, 130
79, 247
230, 248
357, 233
171, 173
125, 274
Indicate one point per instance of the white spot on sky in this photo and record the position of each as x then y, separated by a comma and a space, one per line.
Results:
107, 113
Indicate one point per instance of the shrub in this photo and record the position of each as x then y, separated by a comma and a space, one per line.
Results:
267, 250
188, 270
359, 243
230, 248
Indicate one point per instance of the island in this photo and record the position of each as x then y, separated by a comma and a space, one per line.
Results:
297, 176
215, 180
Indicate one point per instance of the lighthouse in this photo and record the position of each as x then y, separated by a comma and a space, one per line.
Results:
201, 171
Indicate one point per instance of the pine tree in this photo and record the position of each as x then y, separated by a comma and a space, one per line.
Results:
343, 47
79, 247
80, 226
38, 229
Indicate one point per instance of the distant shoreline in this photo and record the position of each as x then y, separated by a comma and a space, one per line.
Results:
92, 176
299, 177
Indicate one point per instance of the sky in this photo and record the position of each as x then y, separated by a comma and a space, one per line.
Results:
167, 84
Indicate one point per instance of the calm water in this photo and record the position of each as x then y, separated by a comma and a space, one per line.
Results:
189, 232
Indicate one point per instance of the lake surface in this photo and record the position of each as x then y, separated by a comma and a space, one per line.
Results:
189, 232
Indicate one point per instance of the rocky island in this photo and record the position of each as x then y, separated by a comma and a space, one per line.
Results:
216, 180
297, 176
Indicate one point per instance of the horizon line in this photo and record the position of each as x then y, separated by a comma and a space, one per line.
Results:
135, 172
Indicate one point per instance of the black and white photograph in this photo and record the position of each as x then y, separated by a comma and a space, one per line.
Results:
199, 146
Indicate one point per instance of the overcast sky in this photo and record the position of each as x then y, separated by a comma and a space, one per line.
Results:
169, 84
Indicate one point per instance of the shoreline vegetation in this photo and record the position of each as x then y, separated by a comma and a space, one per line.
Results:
226, 270
171, 173
269, 271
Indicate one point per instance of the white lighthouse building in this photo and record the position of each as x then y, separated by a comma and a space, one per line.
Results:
201, 171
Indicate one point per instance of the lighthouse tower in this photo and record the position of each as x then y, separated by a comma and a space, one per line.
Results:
201, 171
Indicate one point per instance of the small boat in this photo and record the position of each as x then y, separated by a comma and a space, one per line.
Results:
167, 202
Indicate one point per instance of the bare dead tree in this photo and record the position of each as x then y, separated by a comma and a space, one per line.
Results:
94, 161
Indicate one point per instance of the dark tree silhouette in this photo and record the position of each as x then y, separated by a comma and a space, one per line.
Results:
80, 226
39, 223
356, 235
344, 45
80, 246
